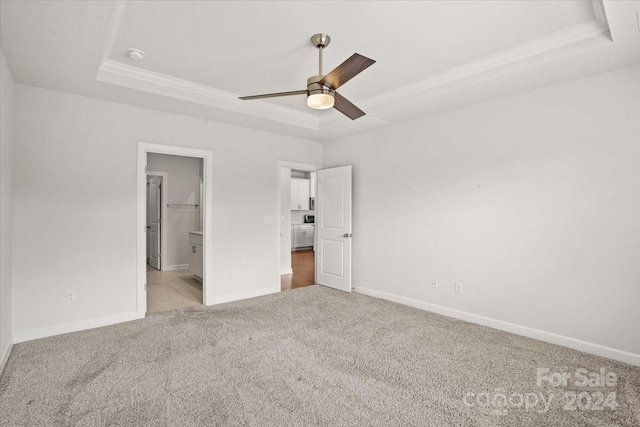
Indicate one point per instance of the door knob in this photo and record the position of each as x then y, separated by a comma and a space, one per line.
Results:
148, 227
347, 235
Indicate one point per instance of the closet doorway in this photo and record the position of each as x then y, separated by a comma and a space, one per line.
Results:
174, 232
174, 226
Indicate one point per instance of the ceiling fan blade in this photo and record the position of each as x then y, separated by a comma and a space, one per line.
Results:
274, 95
346, 71
345, 106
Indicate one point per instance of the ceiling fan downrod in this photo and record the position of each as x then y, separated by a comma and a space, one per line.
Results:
320, 41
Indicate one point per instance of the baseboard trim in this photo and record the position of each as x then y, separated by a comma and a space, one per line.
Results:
5, 355
244, 295
65, 328
550, 337
176, 267
286, 271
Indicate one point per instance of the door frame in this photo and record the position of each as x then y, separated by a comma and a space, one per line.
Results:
305, 167
144, 148
163, 214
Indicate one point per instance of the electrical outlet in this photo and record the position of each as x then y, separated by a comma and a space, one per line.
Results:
231, 275
459, 288
435, 283
71, 296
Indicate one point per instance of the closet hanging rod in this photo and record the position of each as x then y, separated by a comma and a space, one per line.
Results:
181, 205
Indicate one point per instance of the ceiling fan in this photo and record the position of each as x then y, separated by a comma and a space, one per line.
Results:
321, 89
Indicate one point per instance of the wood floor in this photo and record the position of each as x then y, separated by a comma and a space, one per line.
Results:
171, 290
303, 267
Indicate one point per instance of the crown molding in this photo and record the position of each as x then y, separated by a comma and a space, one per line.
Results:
116, 18
160, 84
523, 56
599, 12
489, 68
121, 74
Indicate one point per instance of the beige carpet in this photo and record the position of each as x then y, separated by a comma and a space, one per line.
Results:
310, 356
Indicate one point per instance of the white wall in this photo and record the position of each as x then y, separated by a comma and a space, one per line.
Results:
75, 204
6, 216
532, 201
183, 187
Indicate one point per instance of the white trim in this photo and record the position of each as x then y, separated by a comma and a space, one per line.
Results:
114, 25
163, 214
161, 84
244, 295
176, 267
550, 337
5, 354
487, 68
66, 328
518, 58
306, 167
599, 12
286, 271
127, 75
144, 148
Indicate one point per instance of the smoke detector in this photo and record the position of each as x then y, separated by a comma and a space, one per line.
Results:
136, 53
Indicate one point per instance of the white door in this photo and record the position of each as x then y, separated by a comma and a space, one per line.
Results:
333, 228
154, 208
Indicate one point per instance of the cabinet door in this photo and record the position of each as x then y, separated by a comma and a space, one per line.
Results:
303, 193
297, 239
308, 238
299, 194
295, 195
199, 261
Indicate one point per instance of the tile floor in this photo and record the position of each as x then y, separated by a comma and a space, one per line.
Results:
171, 290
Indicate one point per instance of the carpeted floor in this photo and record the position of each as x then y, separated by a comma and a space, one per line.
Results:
311, 356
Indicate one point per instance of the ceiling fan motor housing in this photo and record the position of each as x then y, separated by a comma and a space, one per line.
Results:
315, 88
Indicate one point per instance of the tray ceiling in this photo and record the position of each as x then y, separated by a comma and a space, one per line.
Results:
200, 56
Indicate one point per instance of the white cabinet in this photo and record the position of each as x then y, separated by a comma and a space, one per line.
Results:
299, 194
302, 236
195, 266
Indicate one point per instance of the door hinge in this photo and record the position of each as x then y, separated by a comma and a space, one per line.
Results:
145, 286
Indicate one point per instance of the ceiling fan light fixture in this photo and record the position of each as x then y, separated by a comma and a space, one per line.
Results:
319, 97
320, 100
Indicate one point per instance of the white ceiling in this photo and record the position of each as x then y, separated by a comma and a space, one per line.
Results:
431, 55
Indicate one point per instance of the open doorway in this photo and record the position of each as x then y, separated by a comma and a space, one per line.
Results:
174, 232
297, 225
174, 227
